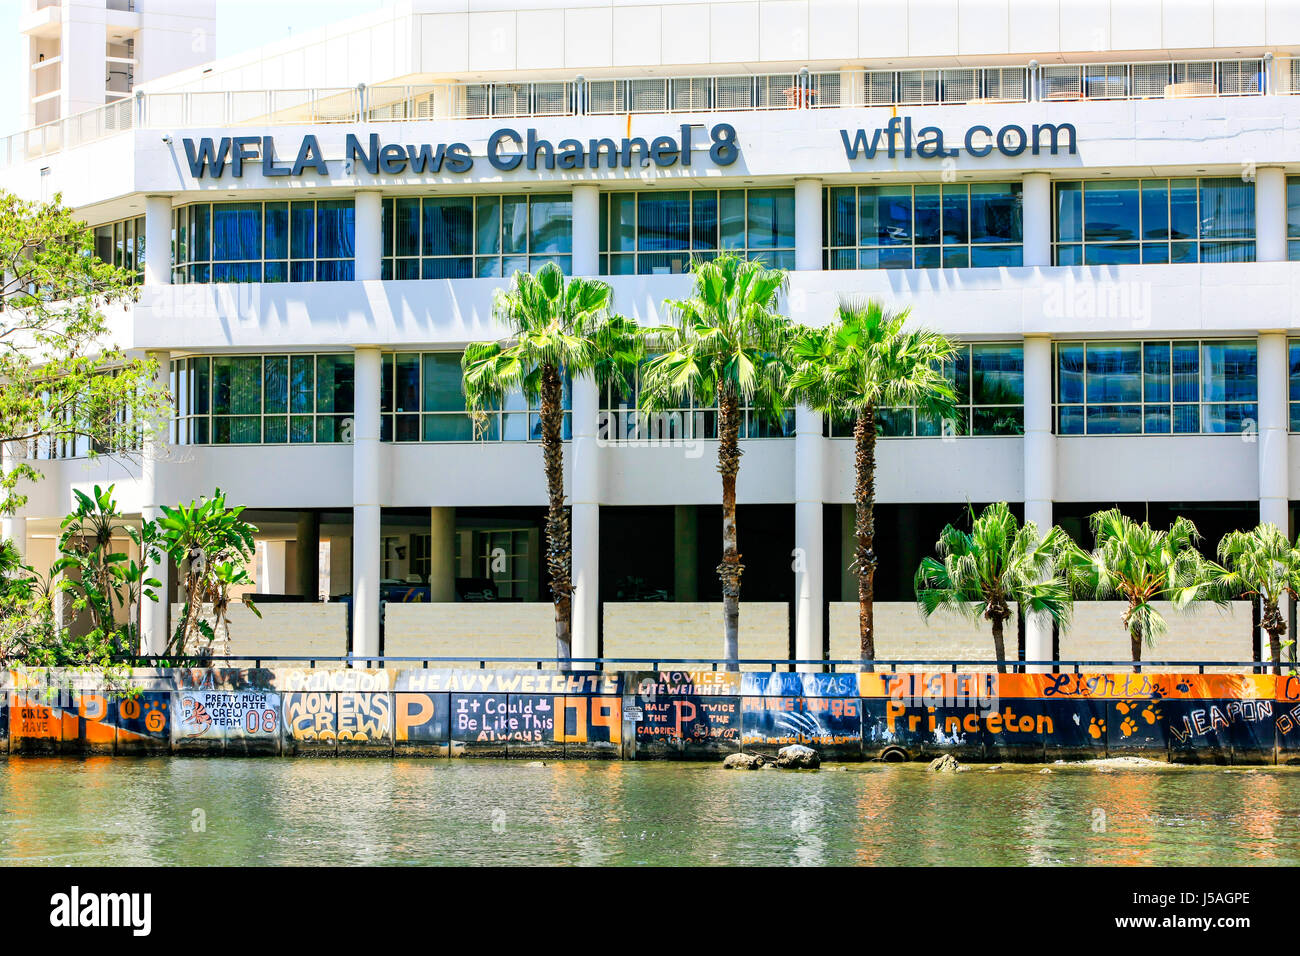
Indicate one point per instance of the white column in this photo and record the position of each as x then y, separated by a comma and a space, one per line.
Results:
586, 230
157, 240
809, 479
274, 555
155, 615
1274, 493
584, 449
1036, 218
369, 243
366, 504
13, 527
585, 523
1270, 214
1040, 472
808, 225
442, 555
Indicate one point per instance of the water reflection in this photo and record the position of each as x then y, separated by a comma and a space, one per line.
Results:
349, 812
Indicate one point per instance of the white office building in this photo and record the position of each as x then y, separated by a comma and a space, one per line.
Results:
1099, 200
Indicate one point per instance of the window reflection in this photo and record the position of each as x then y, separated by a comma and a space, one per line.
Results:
1160, 387
923, 227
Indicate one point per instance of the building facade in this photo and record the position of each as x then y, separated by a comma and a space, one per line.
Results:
1099, 201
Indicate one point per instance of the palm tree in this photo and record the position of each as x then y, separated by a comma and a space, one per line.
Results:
999, 563
728, 347
864, 362
557, 327
1260, 564
1142, 565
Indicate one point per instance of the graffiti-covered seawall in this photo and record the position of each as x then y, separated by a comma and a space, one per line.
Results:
1221, 718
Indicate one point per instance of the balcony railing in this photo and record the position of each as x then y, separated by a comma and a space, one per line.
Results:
652, 95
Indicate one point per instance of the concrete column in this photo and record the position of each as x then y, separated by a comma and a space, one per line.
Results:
369, 244
1036, 213
809, 481
848, 545
1274, 493
586, 230
274, 554
442, 555
808, 225
13, 527
157, 240
1270, 214
585, 523
308, 555
1040, 471
155, 615
366, 504
686, 553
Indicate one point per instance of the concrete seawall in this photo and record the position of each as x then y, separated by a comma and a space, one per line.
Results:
1216, 718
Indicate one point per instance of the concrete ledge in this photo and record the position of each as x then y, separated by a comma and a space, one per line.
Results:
651, 630
489, 629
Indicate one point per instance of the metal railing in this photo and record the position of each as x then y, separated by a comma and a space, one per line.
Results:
709, 663
651, 95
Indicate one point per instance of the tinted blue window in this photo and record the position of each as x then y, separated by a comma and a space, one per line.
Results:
1114, 372
276, 217
449, 226
302, 230
1111, 211
995, 214
663, 220
335, 229
237, 232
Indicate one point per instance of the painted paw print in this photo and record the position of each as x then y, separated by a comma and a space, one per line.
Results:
1127, 726
1183, 686
155, 716
1124, 706
1097, 729
1151, 714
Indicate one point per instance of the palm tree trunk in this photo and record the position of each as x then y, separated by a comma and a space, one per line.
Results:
999, 643
1274, 626
864, 555
1135, 641
730, 569
559, 556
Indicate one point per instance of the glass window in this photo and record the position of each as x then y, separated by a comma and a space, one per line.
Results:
989, 382
923, 227
662, 231
423, 400
1154, 221
121, 244
1157, 387
455, 237
303, 241
246, 399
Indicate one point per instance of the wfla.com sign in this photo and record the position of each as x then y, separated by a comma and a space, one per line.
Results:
75, 909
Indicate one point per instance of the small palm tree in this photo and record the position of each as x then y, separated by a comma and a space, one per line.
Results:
727, 348
866, 361
1142, 565
557, 327
1000, 562
1260, 564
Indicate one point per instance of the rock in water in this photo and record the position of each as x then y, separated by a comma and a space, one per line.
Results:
743, 762
945, 764
798, 757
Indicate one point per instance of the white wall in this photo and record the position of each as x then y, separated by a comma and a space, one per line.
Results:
440, 38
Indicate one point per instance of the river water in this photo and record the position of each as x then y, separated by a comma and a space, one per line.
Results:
167, 810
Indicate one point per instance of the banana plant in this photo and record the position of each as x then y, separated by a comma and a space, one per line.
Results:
105, 583
212, 547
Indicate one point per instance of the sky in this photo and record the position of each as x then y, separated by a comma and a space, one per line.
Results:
241, 25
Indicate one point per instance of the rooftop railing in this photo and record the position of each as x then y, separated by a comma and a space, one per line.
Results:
708, 663
652, 95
